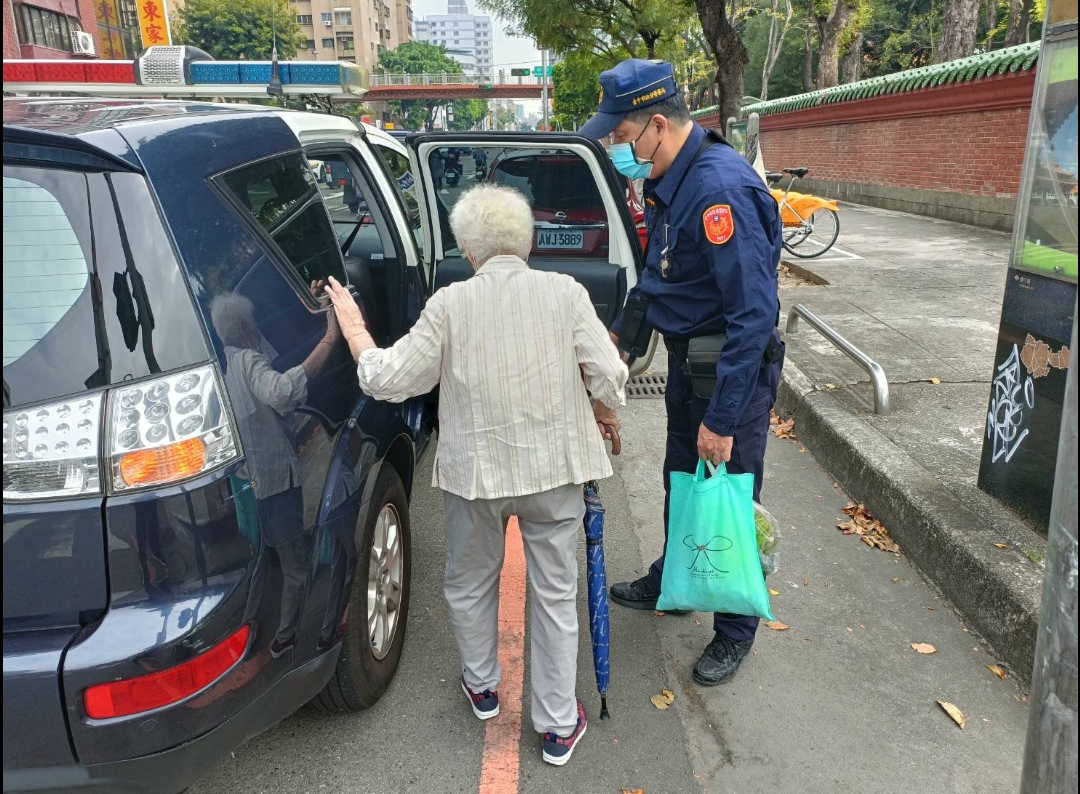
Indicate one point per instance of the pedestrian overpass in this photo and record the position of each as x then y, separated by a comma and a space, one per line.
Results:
447, 87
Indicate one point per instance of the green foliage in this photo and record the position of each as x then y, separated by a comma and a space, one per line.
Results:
610, 29
234, 29
787, 76
577, 88
415, 57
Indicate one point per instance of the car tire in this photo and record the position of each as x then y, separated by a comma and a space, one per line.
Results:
364, 668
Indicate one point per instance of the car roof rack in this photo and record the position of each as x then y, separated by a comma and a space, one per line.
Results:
187, 72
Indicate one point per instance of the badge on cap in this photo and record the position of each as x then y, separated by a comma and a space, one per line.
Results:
719, 223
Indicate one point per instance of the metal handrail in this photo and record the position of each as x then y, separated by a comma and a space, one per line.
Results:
877, 374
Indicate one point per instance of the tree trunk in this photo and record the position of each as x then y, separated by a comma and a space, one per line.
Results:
1025, 19
1013, 32
730, 54
830, 27
777, 33
958, 31
851, 67
808, 60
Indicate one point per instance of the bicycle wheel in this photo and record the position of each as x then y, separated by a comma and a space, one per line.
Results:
821, 231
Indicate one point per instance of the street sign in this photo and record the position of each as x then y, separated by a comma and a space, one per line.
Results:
538, 71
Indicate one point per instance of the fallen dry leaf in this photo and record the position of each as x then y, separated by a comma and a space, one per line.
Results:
923, 648
663, 700
773, 592
782, 429
936, 381
868, 528
996, 670
633, 791
897, 579
956, 714
1005, 546
776, 625
805, 582
830, 386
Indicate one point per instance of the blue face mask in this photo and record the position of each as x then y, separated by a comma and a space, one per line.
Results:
626, 162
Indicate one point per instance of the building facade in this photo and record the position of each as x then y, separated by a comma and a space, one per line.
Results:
352, 30
46, 28
466, 37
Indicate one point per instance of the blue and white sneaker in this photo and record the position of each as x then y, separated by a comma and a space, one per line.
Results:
558, 749
485, 705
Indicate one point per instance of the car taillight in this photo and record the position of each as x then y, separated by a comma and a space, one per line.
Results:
52, 450
148, 692
167, 430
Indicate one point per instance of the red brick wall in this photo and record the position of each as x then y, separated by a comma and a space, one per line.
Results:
965, 138
11, 41
978, 153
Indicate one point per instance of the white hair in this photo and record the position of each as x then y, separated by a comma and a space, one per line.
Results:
232, 314
492, 220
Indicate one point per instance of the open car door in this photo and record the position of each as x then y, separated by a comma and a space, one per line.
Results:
582, 221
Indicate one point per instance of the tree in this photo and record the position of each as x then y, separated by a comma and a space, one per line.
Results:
959, 30
611, 29
835, 19
777, 32
415, 57
234, 29
728, 51
577, 88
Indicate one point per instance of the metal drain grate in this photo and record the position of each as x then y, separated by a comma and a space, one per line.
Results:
646, 386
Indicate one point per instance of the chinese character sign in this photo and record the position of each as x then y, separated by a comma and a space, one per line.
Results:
154, 22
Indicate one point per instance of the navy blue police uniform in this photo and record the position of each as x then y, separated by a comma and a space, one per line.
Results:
714, 241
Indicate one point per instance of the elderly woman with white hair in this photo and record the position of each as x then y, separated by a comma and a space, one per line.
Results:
513, 351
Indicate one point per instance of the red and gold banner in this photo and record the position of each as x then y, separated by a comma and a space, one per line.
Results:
154, 22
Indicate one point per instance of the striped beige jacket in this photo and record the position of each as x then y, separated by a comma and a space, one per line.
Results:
508, 348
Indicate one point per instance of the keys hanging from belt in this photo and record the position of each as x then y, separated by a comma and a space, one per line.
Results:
665, 263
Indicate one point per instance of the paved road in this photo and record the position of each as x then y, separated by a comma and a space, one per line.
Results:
838, 703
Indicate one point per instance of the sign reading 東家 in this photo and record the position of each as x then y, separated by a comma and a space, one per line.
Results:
154, 23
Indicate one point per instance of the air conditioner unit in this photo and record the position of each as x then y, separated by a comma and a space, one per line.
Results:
327, 22
82, 43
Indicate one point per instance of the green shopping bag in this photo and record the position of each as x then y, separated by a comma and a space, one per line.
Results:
712, 563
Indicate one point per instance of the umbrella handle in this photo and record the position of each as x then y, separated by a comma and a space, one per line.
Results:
616, 441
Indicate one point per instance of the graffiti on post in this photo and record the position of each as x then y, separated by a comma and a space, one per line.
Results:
1005, 419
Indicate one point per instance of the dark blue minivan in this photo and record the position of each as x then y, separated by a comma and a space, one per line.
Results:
206, 522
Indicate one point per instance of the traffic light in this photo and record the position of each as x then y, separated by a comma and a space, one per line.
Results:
520, 72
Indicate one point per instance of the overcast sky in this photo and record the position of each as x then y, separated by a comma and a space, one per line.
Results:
509, 51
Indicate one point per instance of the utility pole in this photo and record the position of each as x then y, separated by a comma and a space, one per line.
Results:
1050, 752
544, 91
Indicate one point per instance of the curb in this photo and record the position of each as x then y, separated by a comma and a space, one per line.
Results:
949, 538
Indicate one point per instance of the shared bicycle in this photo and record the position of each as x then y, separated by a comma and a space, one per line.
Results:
811, 223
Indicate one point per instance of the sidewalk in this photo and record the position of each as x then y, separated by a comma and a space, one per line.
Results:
923, 299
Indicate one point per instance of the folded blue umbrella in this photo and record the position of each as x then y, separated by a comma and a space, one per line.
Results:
598, 598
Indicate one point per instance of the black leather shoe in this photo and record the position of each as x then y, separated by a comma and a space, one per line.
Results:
638, 594
721, 660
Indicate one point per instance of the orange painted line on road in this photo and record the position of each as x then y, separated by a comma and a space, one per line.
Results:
501, 767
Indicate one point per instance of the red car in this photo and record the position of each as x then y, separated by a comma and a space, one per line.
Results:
570, 215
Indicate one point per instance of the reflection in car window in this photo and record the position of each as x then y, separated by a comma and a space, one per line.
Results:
88, 299
45, 271
397, 166
281, 194
569, 212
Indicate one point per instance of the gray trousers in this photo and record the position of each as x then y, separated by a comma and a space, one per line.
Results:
475, 544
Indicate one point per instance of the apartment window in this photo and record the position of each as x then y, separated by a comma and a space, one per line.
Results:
328, 44
309, 44
44, 28
303, 19
327, 18
346, 42
343, 17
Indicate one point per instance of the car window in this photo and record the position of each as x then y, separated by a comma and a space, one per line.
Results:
568, 209
358, 216
90, 285
282, 195
397, 166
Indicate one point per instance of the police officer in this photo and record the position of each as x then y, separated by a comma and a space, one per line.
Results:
714, 240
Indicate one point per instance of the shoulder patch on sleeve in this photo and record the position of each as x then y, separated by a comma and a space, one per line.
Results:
719, 223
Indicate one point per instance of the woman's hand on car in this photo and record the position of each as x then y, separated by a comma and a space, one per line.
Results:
353, 327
